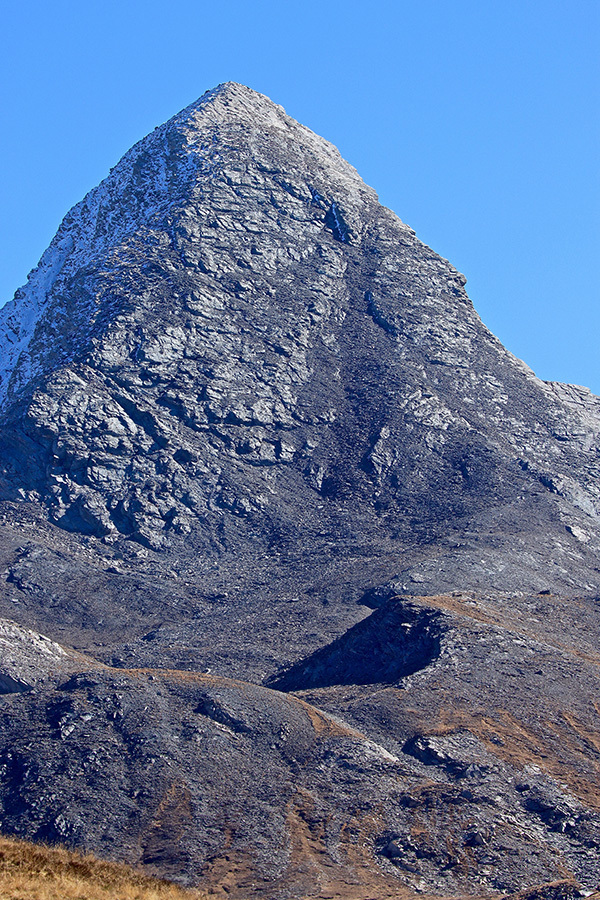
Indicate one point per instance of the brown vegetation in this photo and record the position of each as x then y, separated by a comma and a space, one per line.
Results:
37, 872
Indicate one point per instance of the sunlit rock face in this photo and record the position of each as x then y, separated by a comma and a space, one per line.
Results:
206, 278
231, 335
238, 396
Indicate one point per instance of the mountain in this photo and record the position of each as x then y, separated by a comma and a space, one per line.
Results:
301, 564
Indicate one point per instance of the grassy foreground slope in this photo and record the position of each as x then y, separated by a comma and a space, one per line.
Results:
36, 872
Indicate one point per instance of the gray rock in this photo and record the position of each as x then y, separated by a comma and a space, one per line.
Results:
238, 397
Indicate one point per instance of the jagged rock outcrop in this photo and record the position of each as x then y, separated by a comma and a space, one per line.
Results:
238, 397
28, 659
231, 320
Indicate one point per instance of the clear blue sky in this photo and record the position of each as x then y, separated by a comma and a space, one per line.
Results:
477, 122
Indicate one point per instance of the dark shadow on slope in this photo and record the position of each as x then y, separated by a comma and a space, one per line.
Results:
397, 640
10, 685
212, 709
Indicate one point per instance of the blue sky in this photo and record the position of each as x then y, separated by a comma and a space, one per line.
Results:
476, 122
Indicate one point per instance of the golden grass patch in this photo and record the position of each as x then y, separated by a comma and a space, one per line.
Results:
38, 872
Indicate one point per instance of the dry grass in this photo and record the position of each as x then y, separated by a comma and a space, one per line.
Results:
37, 872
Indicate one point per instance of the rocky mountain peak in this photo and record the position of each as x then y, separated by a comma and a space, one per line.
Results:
327, 551
161, 177
230, 333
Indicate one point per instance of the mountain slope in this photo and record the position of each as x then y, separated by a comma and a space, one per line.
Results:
239, 396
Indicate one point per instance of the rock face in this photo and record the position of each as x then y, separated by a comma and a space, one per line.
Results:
239, 396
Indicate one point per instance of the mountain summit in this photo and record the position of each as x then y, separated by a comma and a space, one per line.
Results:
238, 396
158, 187
230, 337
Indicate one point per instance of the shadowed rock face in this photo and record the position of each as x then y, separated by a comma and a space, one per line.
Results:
395, 642
239, 396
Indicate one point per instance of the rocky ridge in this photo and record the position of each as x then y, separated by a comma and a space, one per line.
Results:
327, 551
